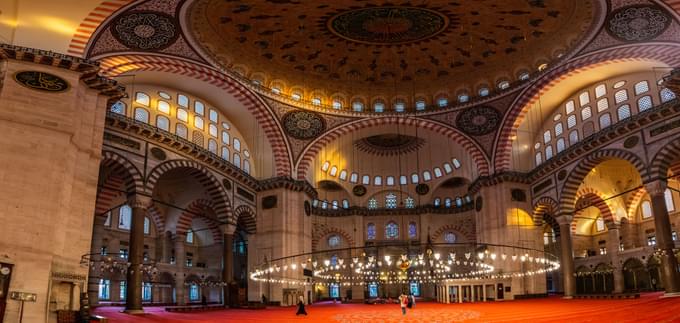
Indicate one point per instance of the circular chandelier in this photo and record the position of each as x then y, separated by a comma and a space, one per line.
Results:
116, 263
400, 263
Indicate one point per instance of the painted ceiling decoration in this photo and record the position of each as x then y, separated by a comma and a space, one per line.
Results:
373, 49
479, 121
145, 31
638, 22
303, 124
389, 144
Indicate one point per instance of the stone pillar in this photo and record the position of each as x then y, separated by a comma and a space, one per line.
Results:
447, 296
484, 292
472, 291
166, 247
133, 299
180, 296
567, 256
460, 294
227, 263
664, 239
613, 252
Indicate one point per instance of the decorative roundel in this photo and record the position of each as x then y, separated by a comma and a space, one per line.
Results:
308, 208
303, 124
388, 25
359, 190
478, 203
478, 121
146, 31
41, 81
422, 189
158, 153
631, 142
562, 175
638, 23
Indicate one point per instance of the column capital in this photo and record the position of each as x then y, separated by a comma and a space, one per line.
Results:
228, 228
656, 187
564, 219
179, 237
139, 201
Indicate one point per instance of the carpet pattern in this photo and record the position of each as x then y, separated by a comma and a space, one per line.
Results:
648, 308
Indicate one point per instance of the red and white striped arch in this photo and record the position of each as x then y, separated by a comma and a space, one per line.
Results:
311, 151
113, 66
89, 25
666, 53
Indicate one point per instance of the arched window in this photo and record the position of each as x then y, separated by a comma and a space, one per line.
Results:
412, 230
276, 90
666, 95
163, 123
600, 90
450, 237
409, 202
437, 172
345, 204
668, 195
324, 204
586, 113
447, 202
459, 201
462, 98
573, 137
181, 130
456, 163
225, 137
605, 121
560, 145
599, 224
212, 146
325, 166
337, 105
546, 136
391, 230
212, 130
296, 96
357, 106
142, 98
334, 204
390, 201
414, 178
483, 91
523, 76
316, 101
569, 107
539, 158
389, 180
379, 106
182, 115
237, 144
621, 96
646, 209
372, 203
353, 178
142, 115
190, 236
447, 168
366, 180
199, 108
623, 112
237, 160
548, 152
403, 180
334, 171
225, 153
427, 176
147, 226
584, 98
558, 129
443, 102
213, 116
246, 166
124, 217
644, 103
399, 106
182, 100
370, 231
197, 138
334, 241
377, 181
198, 123
420, 105
343, 175
118, 107
571, 121
602, 105
503, 85
163, 107
641, 87
437, 202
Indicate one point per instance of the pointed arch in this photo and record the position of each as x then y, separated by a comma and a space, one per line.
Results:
545, 206
567, 202
117, 176
216, 192
467, 233
157, 217
587, 197
664, 158
633, 202
247, 217
322, 231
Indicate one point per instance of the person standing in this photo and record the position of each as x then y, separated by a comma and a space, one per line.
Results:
411, 301
403, 302
301, 306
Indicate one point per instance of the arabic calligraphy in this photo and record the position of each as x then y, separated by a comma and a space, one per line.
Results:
41, 81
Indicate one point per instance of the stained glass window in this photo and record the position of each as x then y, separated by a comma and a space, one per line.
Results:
334, 241
409, 202
391, 230
450, 237
372, 203
391, 201
370, 231
412, 230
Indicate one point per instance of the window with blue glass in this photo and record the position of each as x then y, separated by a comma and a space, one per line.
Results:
415, 289
334, 260
370, 231
447, 202
412, 230
372, 290
410, 203
334, 241
459, 202
391, 230
437, 202
335, 291
124, 217
146, 291
391, 201
372, 203
123, 290
104, 289
193, 293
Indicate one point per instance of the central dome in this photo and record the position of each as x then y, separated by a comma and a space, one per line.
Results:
387, 25
377, 51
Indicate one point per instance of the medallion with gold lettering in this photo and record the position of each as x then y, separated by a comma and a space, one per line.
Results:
41, 81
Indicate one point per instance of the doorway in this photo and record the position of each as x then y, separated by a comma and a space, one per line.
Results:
499, 291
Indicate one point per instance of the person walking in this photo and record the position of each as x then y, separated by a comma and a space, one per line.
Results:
403, 302
301, 306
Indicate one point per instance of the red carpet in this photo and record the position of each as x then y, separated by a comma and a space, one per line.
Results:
649, 308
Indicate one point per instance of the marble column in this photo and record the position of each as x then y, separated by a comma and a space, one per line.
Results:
460, 294
227, 263
613, 252
472, 290
133, 303
179, 240
567, 262
664, 238
484, 293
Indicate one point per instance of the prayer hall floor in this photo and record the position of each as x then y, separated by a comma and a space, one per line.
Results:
648, 308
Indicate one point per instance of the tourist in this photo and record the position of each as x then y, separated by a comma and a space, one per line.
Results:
403, 302
301, 306
411, 301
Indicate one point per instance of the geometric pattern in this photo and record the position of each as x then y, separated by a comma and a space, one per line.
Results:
246, 216
638, 23
321, 231
461, 231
